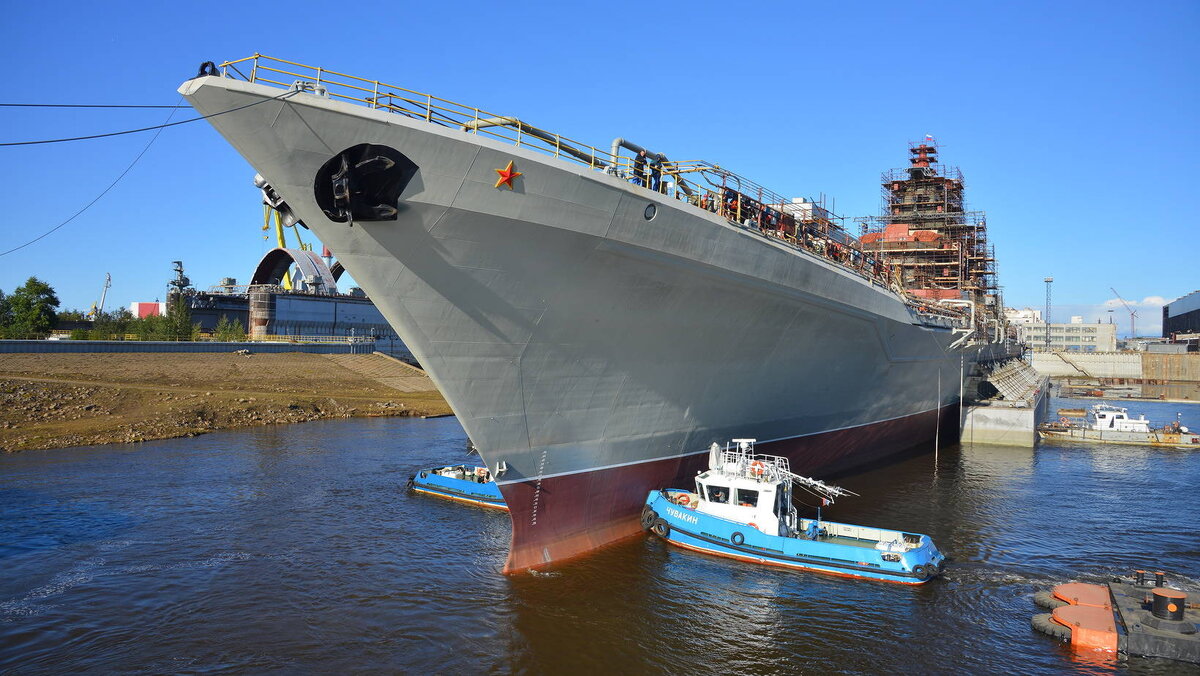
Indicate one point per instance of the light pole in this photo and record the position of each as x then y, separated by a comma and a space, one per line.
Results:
1048, 281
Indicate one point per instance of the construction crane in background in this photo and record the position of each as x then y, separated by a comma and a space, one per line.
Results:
271, 216
1132, 315
96, 311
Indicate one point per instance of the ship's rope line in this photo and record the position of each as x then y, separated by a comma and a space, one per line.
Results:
135, 131
85, 105
158, 130
102, 194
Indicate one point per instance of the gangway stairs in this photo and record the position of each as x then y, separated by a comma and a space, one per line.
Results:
1015, 380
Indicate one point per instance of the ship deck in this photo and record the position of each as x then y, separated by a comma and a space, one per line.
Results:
803, 224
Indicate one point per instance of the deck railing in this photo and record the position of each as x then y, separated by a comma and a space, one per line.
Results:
702, 184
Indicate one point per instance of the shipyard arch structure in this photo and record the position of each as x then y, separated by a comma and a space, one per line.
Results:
314, 273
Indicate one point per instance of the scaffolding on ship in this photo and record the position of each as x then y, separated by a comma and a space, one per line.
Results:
938, 249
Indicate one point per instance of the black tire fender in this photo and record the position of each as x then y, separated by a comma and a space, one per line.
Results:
1044, 623
649, 516
1046, 599
737, 538
661, 528
921, 572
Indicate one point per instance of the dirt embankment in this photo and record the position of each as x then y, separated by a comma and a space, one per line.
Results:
60, 400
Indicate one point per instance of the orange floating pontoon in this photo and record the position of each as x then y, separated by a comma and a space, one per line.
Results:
1140, 617
1091, 627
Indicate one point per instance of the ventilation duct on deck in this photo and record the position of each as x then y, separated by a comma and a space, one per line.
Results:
653, 158
524, 128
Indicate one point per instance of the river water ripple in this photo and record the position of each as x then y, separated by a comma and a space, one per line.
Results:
296, 548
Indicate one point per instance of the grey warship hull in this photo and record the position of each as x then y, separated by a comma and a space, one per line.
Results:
592, 348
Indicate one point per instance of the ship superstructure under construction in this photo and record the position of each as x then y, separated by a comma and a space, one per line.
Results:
938, 249
597, 317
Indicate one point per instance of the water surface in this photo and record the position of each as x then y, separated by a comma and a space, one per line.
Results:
296, 548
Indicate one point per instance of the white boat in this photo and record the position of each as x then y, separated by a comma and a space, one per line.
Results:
1108, 424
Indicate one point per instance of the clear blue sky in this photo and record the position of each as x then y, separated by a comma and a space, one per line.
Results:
1075, 123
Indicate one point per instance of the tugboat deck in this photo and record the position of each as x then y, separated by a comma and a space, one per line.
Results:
843, 540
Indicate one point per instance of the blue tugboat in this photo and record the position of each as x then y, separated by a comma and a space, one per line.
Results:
742, 508
472, 485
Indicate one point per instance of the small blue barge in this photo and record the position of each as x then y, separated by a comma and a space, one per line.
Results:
742, 508
473, 485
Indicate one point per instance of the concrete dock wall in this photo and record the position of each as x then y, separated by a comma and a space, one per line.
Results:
1171, 367
1148, 366
1089, 364
1005, 425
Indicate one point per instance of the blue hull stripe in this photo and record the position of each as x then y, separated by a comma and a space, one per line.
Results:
445, 490
786, 558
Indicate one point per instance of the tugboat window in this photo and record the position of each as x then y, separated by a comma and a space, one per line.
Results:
747, 498
718, 494
651, 210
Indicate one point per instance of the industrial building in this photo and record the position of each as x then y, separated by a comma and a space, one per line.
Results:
1026, 316
293, 294
1073, 337
1182, 315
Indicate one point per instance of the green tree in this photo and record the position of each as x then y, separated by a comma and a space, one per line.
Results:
33, 306
229, 330
148, 328
72, 316
5, 313
177, 325
115, 324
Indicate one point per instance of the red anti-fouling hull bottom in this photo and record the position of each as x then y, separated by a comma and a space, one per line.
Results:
561, 517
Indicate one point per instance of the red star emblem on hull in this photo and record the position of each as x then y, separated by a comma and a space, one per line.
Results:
507, 175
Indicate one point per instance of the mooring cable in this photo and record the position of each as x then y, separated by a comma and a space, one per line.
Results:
135, 131
112, 185
85, 105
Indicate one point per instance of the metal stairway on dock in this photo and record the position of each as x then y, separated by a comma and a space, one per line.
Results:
1072, 364
1015, 380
